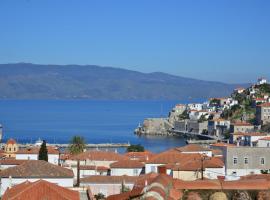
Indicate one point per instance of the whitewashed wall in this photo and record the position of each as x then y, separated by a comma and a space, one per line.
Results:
148, 168
126, 171
52, 158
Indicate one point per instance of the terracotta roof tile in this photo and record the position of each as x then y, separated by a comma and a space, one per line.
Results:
11, 141
242, 124
92, 167
265, 138
40, 189
12, 162
35, 150
127, 164
192, 148
99, 155
109, 179
264, 105
221, 144
37, 169
140, 156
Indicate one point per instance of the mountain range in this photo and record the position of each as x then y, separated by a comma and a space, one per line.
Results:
36, 81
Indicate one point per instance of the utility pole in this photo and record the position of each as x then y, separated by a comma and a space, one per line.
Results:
203, 158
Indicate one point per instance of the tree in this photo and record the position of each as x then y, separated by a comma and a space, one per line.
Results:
124, 188
135, 148
43, 152
76, 146
99, 196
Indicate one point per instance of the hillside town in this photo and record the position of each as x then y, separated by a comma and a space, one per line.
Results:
235, 166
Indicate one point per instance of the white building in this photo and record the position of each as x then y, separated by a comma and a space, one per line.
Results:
33, 170
32, 154
90, 170
261, 81
264, 142
128, 167
195, 106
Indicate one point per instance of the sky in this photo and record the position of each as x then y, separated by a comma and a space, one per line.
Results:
221, 40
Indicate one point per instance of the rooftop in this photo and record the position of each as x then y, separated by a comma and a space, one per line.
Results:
109, 179
37, 169
99, 155
35, 150
264, 105
127, 164
40, 189
192, 148
11, 141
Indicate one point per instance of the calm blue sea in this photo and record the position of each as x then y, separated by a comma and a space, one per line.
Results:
97, 121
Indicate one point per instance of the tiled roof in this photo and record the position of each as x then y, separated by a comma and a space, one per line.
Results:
109, 179
222, 144
92, 167
11, 141
192, 148
241, 124
35, 150
265, 138
194, 165
171, 157
127, 164
99, 156
40, 189
140, 156
264, 105
11, 162
37, 169
251, 134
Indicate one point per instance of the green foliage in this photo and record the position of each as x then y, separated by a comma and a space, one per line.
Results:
124, 188
43, 152
135, 148
202, 118
264, 88
77, 145
99, 196
240, 98
227, 134
214, 102
184, 115
266, 127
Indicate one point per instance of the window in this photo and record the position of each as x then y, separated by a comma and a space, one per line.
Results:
235, 160
234, 173
246, 160
135, 172
262, 161
153, 169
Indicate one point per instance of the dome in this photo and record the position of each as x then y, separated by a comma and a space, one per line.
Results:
11, 141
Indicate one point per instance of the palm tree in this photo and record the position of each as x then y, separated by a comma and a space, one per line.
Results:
76, 146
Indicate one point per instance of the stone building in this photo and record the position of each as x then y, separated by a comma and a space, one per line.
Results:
263, 113
11, 148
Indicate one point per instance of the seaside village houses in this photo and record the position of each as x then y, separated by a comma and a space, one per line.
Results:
230, 160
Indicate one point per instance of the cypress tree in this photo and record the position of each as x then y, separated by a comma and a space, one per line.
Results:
43, 152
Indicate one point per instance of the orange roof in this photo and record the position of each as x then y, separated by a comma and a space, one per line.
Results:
40, 189
250, 134
11, 141
11, 162
222, 144
264, 105
242, 124
196, 164
140, 156
92, 167
109, 179
37, 169
265, 138
35, 150
99, 155
192, 148
127, 164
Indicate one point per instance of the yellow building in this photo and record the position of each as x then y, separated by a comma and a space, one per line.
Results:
11, 148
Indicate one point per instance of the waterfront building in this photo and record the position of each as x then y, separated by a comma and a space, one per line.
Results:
33, 170
11, 148
218, 127
263, 113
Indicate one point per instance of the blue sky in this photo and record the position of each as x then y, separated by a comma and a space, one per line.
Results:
220, 40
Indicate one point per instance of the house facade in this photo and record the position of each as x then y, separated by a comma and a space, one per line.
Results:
263, 113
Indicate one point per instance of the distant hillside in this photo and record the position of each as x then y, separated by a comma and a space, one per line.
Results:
33, 81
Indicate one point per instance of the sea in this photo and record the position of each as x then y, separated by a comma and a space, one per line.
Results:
98, 121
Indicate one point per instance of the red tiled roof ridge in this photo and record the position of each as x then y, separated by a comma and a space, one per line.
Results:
127, 164
11, 141
24, 189
267, 104
99, 155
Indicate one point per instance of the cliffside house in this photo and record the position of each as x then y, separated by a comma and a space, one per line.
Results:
33, 170
241, 126
218, 127
263, 113
246, 139
261, 81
